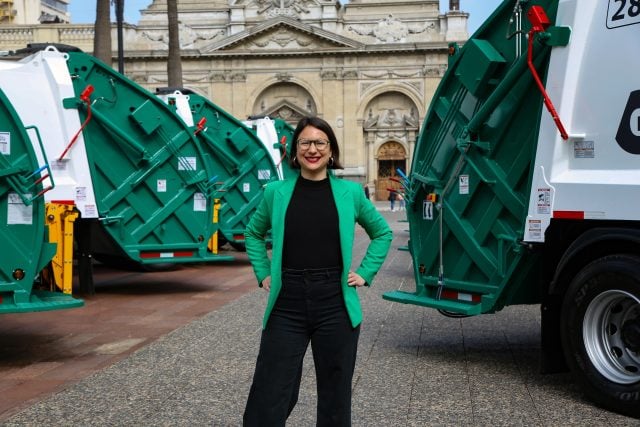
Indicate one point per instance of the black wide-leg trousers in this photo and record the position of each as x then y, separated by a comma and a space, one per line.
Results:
310, 308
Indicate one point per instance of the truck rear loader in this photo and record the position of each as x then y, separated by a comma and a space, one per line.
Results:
525, 186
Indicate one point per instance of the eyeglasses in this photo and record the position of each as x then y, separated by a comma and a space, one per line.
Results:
321, 144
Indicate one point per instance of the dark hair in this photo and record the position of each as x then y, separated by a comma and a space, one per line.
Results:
325, 127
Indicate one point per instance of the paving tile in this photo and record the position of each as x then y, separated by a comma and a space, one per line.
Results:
178, 348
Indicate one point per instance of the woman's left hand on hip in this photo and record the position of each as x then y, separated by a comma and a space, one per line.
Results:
355, 279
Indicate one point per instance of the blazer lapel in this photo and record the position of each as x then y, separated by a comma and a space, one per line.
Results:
281, 200
346, 216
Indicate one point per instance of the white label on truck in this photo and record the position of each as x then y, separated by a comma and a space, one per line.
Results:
543, 201
264, 174
199, 202
535, 229
463, 181
90, 211
18, 212
583, 150
622, 13
5, 143
81, 194
58, 165
246, 187
161, 186
187, 163
427, 210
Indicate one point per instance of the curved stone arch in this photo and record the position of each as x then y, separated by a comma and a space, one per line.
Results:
252, 99
391, 142
379, 144
410, 93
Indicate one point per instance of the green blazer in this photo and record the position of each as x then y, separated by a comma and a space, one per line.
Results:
353, 207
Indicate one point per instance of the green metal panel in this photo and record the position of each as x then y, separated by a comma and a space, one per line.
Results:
478, 65
152, 179
475, 153
23, 234
239, 161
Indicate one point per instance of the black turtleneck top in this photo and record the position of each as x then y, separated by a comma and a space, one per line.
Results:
311, 230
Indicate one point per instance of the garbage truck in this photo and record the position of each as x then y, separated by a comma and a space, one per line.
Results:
139, 179
246, 155
525, 183
27, 253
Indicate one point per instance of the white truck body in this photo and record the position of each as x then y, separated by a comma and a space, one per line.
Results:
589, 176
36, 87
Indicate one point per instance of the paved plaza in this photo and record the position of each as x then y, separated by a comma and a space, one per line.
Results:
415, 367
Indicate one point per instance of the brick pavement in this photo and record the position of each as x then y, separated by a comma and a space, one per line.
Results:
43, 353
415, 367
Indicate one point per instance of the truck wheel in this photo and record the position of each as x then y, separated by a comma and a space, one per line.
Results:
600, 328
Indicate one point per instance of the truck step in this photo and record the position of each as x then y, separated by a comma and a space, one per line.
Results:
426, 301
40, 301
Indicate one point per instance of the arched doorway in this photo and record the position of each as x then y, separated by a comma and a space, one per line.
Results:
285, 100
391, 157
390, 128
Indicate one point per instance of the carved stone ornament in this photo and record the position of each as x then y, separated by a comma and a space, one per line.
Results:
390, 29
436, 71
283, 38
292, 8
288, 113
284, 77
189, 37
390, 118
329, 74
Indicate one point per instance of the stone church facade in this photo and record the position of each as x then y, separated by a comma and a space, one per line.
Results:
370, 67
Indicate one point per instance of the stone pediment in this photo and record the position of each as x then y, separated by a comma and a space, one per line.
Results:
283, 33
287, 111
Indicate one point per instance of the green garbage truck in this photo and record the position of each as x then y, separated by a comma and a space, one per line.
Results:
245, 155
26, 250
140, 180
524, 186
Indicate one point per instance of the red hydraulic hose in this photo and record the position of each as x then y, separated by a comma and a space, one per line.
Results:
202, 125
547, 100
283, 142
85, 96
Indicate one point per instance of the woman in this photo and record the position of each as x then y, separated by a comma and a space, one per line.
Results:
312, 289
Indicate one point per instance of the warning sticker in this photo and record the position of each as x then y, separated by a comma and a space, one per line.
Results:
81, 194
583, 150
535, 229
427, 210
161, 186
463, 181
90, 211
18, 212
264, 174
5, 143
543, 201
246, 187
58, 165
199, 202
187, 163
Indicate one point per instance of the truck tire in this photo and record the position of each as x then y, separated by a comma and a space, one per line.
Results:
600, 327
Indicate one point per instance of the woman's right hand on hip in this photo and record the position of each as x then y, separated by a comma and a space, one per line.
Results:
266, 283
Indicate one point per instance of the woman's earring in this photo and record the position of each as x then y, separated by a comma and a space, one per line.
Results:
331, 161
295, 161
